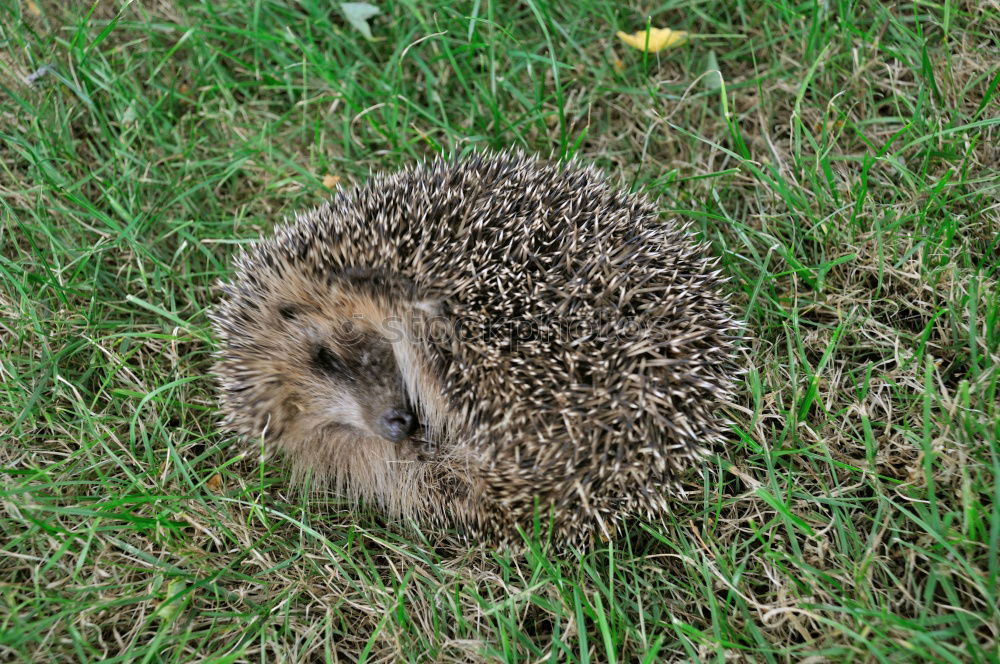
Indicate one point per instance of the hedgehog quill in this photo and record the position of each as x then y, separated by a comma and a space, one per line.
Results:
475, 342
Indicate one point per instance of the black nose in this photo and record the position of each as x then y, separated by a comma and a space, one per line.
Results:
397, 423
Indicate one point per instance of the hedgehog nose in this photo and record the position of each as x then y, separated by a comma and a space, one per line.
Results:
397, 424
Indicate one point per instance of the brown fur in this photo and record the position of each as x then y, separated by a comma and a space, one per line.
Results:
322, 420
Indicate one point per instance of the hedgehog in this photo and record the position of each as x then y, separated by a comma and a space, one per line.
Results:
496, 344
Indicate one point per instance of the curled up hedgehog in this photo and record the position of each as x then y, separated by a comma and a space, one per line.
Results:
481, 343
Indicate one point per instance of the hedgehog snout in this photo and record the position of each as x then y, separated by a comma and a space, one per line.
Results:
397, 424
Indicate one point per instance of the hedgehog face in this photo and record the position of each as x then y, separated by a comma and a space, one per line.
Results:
327, 376
356, 383
306, 363
339, 368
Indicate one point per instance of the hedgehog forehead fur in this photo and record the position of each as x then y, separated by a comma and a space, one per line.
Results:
561, 344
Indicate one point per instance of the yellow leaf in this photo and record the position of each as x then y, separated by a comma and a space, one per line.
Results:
659, 39
330, 181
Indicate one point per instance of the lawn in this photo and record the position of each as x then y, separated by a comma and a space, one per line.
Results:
843, 164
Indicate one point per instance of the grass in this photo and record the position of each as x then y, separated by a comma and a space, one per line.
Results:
846, 172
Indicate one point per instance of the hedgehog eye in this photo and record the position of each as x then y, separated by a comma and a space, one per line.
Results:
326, 362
